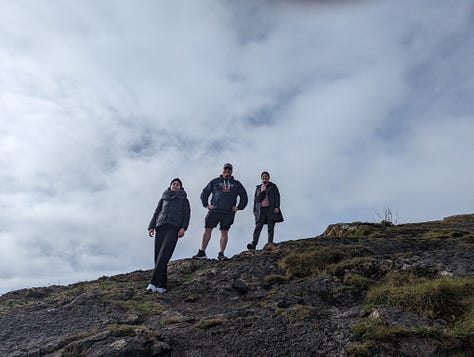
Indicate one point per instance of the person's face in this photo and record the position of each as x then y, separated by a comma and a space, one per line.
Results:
175, 186
226, 172
265, 178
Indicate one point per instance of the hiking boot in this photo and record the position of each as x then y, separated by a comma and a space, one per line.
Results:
200, 255
221, 256
250, 246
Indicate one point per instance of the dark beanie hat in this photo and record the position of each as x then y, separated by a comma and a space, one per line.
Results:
176, 179
265, 172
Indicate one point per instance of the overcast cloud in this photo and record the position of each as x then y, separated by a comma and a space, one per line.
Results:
353, 106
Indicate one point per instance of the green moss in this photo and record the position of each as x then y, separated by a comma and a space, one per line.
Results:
303, 263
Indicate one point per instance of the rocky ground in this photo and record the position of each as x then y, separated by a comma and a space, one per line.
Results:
332, 295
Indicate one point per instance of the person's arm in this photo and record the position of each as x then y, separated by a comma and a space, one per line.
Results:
151, 225
186, 218
277, 199
206, 192
243, 199
255, 200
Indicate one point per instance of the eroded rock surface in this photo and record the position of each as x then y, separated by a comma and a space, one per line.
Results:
251, 305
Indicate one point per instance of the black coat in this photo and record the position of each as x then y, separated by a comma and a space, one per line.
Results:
273, 198
173, 208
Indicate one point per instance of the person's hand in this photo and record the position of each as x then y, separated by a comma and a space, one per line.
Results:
209, 207
235, 209
181, 233
151, 232
276, 210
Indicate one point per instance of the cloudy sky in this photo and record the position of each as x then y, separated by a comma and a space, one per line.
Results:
353, 107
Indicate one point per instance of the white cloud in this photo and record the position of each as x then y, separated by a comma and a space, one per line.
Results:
351, 107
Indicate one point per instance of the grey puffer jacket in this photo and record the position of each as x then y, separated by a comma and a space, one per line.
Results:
173, 208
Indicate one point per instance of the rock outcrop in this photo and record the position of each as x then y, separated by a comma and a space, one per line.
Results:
358, 289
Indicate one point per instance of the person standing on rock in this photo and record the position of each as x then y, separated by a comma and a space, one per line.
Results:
169, 222
266, 209
224, 190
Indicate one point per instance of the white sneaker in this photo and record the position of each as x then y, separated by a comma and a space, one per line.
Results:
160, 290
152, 288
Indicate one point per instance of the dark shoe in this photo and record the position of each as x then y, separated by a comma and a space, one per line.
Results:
200, 255
250, 246
221, 256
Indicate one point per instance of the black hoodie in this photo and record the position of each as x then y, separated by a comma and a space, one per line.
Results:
224, 194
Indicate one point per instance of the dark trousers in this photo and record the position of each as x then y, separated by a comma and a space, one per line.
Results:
265, 218
166, 237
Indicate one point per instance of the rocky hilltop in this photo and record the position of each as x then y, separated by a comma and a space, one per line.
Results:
358, 289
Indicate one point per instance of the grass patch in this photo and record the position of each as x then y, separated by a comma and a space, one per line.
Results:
359, 349
372, 331
446, 234
376, 329
349, 265
297, 312
446, 298
123, 329
9, 304
358, 281
275, 279
171, 320
464, 329
303, 263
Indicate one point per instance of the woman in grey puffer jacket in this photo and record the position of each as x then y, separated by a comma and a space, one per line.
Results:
170, 221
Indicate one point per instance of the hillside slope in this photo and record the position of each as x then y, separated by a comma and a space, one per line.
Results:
357, 289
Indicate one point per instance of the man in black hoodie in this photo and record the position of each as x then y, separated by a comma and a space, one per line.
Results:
225, 190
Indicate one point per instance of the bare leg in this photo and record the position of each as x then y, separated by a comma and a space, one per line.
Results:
206, 237
224, 238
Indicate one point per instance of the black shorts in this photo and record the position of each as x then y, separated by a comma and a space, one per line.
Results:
225, 219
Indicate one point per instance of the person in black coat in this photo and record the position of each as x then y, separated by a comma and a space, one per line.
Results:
170, 221
266, 207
